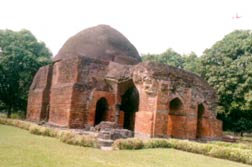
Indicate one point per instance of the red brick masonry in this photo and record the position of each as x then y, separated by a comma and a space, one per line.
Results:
153, 100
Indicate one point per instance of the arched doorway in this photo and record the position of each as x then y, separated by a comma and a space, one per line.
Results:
129, 104
101, 110
200, 111
176, 119
175, 106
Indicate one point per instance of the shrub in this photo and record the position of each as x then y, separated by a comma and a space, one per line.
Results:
3, 121
16, 123
234, 154
64, 136
232, 145
75, 139
190, 146
128, 144
87, 141
157, 143
22, 124
44, 131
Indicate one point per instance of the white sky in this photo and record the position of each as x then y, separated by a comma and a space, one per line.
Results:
151, 25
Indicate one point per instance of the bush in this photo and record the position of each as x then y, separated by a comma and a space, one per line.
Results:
223, 152
128, 144
75, 139
234, 154
233, 145
16, 123
157, 143
64, 136
189, 146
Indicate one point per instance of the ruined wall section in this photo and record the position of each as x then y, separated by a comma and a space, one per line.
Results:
76, 84
163, 83
39, 95
89, 87
147, 88
64, 77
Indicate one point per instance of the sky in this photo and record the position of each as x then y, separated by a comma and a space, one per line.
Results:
152, 26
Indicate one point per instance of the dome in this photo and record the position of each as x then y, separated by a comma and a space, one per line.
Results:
100, 42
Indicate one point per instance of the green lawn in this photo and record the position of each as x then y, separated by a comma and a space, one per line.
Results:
19, 148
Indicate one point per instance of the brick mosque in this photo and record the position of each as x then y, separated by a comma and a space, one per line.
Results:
98, 76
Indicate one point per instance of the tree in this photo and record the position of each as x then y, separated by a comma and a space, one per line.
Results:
227, 66
21, 56
169, 57
192, 63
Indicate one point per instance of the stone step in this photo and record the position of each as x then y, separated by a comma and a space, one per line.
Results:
105, 148
105, 143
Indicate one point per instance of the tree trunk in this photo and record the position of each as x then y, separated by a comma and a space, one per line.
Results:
241, 134
9, 112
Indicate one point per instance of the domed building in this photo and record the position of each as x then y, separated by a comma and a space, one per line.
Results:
98, 76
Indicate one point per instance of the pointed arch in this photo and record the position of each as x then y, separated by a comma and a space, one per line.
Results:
175, 106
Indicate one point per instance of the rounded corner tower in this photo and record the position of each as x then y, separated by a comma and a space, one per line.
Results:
100, 42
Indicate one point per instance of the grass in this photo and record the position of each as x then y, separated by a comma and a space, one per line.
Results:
19, 148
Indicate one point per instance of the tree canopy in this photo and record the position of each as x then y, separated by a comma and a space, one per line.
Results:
227, 66
169, 57
21, 55
188, 62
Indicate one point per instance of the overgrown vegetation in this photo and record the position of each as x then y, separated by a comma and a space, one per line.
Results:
63, 135
241, 154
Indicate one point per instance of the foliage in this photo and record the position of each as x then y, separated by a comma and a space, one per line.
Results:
21, 56
128, 144
188, 62
157, 143
43, 131
192, 63
218, 151
227, 66
233, 145
169, 57
17, 123
80, 140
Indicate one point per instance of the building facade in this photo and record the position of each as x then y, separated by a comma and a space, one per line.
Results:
98, 76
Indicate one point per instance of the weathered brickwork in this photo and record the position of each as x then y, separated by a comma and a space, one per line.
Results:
39, 96
103, 80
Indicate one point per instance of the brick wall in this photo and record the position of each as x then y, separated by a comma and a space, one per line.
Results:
39, 95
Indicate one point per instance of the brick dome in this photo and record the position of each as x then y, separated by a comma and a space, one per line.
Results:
100, 42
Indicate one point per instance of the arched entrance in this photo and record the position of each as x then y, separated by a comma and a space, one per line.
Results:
201, 110
129, 104
175, 106
176, 119
101, 110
